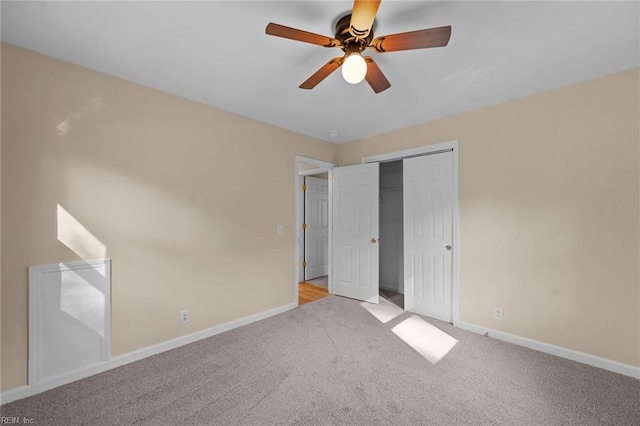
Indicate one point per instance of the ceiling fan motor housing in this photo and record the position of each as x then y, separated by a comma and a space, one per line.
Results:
347, 40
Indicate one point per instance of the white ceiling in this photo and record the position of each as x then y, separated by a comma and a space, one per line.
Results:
217, 53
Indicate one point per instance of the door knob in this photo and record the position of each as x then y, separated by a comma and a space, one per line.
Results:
373, 241
448, 247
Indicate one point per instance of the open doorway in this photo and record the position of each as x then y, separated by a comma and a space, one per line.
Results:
315, 229
313, 221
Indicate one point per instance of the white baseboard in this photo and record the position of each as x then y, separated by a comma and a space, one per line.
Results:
393, 288
584, 358
30, 390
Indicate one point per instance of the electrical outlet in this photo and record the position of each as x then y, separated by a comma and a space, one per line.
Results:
279, 230
184, 317
498, 314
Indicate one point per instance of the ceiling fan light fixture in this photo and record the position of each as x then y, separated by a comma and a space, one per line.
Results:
354, 35
354, 68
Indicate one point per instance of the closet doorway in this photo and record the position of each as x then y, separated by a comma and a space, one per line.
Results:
416, 228
391, 233
395, 229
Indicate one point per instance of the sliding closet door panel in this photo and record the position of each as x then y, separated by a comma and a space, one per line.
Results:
428, 227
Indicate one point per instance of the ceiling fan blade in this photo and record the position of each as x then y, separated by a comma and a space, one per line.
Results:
299, 35
421, 39
322, 73
375, 77
362, 17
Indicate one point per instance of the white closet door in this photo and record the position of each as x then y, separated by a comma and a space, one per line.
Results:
316, 233
428, 219
355, 231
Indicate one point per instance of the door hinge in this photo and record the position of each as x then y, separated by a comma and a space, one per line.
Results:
304, 226
304, 264
304, 186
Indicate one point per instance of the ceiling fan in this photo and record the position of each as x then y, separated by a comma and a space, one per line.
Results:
354, 34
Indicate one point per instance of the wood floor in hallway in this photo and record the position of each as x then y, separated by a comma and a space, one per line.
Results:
310, 293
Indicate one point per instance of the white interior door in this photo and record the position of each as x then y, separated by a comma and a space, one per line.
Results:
355, 231
316, 232
428, 221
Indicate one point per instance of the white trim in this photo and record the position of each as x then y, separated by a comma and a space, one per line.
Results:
330, 242
299, 244
34, 362
584, 358
30, 390
412, 152
320, 164
321, 167
312, 171
388, 287
428, 149
456, 226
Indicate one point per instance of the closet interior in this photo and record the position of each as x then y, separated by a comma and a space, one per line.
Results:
391, 233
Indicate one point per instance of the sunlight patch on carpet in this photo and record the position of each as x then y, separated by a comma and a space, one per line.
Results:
429, 341
384, 311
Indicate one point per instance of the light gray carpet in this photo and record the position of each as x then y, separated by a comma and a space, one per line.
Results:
331, 362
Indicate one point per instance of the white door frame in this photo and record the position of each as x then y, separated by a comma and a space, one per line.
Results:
321, 167
432, 149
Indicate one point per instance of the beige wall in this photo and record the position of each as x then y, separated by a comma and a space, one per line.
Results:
183, 198
548, 203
